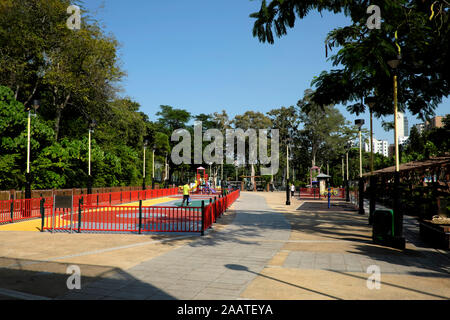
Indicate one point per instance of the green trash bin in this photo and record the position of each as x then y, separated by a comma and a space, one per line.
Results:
383, 226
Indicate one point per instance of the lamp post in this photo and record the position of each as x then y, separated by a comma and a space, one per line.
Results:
92, 126
399, 241
143, 169
347, 190
28, 173
360, 123
166, 170
288, 200
153, 166
370, 101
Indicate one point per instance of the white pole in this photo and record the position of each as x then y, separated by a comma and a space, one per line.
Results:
287, 162
360, 154
28, 142
397, 160
153, 165
144, 165
89, 171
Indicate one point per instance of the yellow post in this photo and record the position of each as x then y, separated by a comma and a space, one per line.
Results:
89, 168
397, 162
28, 142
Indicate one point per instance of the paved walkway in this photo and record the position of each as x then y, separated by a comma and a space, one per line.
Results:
219, 265
267, 251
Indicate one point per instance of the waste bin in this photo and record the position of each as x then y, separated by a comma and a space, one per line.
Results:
383, 226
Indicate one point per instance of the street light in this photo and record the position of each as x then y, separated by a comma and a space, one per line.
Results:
399, 241
166, 170
360, 123
92, 126
370, 101
153, 166
348, 146
143, 169
288, 200
35, 106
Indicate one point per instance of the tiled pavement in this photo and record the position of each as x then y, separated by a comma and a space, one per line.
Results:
219, 265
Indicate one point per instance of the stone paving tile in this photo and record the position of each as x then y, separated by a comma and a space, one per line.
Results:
80, 296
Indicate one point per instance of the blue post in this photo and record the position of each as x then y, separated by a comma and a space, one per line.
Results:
329, 197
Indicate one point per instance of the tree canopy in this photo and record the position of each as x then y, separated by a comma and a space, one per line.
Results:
410, 28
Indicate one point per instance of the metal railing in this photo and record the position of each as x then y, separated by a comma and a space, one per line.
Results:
21, 209
137, 219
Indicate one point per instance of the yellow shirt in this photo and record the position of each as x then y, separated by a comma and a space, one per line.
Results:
186, 190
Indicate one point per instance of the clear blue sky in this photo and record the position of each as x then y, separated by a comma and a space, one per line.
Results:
201, 56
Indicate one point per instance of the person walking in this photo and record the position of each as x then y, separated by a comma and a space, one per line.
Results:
292, 190
185, 194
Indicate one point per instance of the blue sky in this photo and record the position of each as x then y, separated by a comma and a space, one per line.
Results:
200, 55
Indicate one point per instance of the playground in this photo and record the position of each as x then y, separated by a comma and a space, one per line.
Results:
125, 212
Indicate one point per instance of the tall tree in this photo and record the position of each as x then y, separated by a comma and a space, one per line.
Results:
325, 130
419, 29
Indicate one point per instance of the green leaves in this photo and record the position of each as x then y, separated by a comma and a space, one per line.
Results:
363, 53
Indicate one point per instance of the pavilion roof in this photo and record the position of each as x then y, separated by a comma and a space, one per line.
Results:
415, 165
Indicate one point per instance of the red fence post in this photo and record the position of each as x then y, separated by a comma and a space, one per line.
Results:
203, 218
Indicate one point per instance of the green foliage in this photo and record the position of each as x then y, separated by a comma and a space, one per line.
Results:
362, 54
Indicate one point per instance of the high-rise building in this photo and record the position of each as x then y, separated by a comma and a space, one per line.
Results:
405, 127
402, 125
436, 122
379, 146
420, 127
402, 140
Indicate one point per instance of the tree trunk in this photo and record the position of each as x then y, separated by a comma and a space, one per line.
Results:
17, 92
59, 110
253, 175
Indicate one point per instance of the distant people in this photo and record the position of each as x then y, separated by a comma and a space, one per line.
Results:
186, 194
292, 190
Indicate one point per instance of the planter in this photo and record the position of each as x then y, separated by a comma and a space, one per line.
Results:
438, 235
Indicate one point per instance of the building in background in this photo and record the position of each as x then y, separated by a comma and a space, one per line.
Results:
402, 140
436, 122
420, 127
391, 150
379, 146
402, 125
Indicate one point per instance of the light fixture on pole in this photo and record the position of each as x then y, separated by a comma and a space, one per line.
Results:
370, 101
288, 200
359, 123
143, 168
28, 179
166, 170
347, 190
399, 240
153, 166
92, 126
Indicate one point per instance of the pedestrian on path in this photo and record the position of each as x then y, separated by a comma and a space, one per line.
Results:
186, 193
292, 190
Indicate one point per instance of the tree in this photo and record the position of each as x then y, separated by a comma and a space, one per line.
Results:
408, 25
42, 57
325, 130
13, 133
252, 120
286, 120
172, 119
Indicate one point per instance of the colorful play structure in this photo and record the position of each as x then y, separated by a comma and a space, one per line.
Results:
202, 185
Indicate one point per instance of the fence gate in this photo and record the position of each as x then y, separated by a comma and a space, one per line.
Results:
64, 203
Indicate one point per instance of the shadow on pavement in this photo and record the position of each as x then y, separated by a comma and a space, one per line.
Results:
49, 280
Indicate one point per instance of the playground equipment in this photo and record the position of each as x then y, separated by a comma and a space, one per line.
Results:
201, 184
248, 185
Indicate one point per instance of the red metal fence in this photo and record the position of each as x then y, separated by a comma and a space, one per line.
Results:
21, 209
138, 219
18, 210
315, 193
